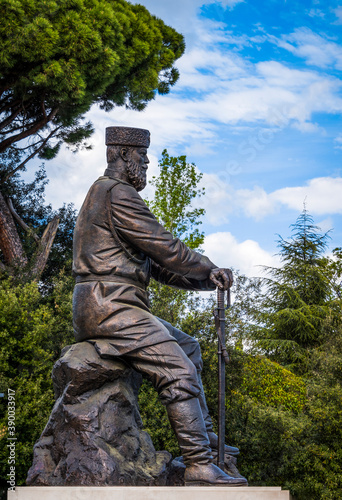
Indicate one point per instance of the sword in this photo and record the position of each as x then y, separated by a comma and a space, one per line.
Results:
223, 359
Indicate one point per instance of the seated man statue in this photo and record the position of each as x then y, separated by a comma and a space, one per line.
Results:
118, 246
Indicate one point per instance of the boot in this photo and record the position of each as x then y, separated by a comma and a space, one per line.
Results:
187, 422
213, 439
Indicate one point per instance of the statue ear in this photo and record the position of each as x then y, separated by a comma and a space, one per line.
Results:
124, 154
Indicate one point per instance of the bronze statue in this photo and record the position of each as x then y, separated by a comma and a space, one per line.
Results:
118, 246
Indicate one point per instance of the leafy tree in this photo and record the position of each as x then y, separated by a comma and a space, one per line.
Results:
299, 308
33, 330
288, 427
25, 365
175, 189
301, 449
263, 399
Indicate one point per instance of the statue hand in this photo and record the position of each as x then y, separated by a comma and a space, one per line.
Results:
222, 278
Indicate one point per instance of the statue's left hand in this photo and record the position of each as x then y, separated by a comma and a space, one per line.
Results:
222, 278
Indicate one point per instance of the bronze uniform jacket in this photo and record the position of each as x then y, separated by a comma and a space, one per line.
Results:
118, 246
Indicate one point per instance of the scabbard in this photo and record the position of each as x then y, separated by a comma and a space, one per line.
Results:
221, 377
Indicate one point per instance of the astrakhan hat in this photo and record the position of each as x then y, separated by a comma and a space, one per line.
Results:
127, 136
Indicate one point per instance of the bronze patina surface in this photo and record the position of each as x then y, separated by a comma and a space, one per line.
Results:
118, 246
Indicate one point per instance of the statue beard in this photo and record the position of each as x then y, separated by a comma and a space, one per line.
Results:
136, 175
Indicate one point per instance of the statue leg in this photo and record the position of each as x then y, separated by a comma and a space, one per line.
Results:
175, 377
192, 349
187, 422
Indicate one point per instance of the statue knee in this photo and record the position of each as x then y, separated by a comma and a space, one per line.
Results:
181, 388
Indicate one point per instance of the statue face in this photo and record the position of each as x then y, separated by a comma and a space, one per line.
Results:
137, 164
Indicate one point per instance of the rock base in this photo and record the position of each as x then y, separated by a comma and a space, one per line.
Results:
94, 436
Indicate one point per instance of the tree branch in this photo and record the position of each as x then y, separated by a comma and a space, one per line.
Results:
10, 118
22, 164
11, 246
44, 249
13, 129
20, 220
32, 130
7, 103
42, 105
30, 146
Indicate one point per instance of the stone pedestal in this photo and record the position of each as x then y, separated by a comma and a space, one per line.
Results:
149, 493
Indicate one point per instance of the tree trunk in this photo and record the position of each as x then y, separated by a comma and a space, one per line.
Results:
44, 247
12, 249
10, 244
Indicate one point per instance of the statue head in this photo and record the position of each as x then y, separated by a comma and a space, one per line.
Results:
127, 154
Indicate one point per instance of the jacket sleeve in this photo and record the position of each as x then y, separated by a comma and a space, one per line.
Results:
176, 280
140, 229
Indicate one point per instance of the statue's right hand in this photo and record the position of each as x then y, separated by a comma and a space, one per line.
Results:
222, 278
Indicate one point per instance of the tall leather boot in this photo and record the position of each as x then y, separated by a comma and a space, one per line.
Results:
187, 422
213, 439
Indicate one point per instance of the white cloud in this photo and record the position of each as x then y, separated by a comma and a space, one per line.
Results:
338, 14
227, 88
217, 201
221, 201
255, 203
246, 256
203, 69
315, 49
338, 142
232, 91
325, 225
322, 196
228, 3
279, 75
316, 13
272, 93
182, 14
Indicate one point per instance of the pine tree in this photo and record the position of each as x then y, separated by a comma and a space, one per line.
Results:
298, 309
57, 59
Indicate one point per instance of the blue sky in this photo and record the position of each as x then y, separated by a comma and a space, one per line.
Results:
257, 108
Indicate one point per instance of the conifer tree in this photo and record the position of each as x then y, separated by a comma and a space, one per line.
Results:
57, 59
299, 306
